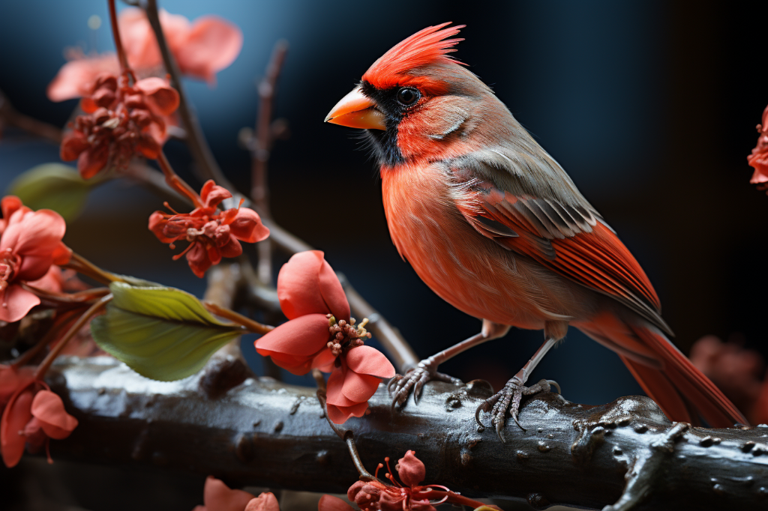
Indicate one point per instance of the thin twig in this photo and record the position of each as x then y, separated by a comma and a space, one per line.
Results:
59, 323
260, 151
80, 323
196, 142
175, 182
12, 117
116, 34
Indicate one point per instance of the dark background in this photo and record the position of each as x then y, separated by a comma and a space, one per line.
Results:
650, 106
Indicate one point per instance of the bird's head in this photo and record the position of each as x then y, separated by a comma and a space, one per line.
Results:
416, 101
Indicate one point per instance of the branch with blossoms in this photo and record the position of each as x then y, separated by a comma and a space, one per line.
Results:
276, 435
131, 102
160, 332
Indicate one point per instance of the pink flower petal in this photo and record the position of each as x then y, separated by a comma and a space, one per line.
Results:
370, 361
304, 336
410, 469
264, 502
334, 387
198, 260
161, 98
247, 226
38, 233
75, 79
176, 29
212, 45
331, 503
15, 418
212, 194
219, 497
11, 380
323, 359
48, 408
359, 387
61, 254
51, 281
294, 365
9, 205
340, 414
232, 248
15, 303
306, 284
333, 293
138, 39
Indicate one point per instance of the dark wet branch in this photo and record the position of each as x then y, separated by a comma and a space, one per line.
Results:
12, 117
625, 454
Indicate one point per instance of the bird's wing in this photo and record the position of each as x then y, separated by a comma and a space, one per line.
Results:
564, 234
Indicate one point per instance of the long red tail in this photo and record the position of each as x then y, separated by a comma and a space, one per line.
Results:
679, 387
667, 376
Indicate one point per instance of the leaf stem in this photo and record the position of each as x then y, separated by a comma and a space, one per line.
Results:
246, 322
67, 298
46, 363
82, 265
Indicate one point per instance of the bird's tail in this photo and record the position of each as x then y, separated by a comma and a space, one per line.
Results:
681, 390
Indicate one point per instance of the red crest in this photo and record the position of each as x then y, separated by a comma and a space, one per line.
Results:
428, 46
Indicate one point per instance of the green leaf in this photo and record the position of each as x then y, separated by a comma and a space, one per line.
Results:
52, 186
160, 332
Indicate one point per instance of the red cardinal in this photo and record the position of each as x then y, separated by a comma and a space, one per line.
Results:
494, 225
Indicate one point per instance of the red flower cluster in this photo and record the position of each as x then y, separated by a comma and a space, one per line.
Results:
410, 495
211, 233
30, 243
759, 157
121, 120
321, 334
201, 49
219, 497
32, 416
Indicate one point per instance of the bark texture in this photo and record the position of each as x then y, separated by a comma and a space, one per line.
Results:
626, 454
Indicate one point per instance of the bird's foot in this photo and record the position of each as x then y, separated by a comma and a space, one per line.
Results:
400, 386
508, 399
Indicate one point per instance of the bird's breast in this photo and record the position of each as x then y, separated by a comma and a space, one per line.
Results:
469, 271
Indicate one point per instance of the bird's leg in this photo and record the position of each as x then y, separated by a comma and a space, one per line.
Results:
508, 398
414, 379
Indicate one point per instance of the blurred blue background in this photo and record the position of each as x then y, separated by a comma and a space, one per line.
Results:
650, 106
649, 109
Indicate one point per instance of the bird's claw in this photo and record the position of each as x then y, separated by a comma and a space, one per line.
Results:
401, 386
508, 399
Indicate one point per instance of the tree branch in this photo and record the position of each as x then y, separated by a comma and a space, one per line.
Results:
13, 117
195, 139
268, 434
266, 298
261, 147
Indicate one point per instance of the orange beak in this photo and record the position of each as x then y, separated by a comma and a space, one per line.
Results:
355, 110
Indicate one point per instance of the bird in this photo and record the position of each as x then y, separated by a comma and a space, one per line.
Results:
496, 227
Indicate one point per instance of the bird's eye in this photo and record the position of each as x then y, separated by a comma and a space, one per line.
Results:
408, 96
